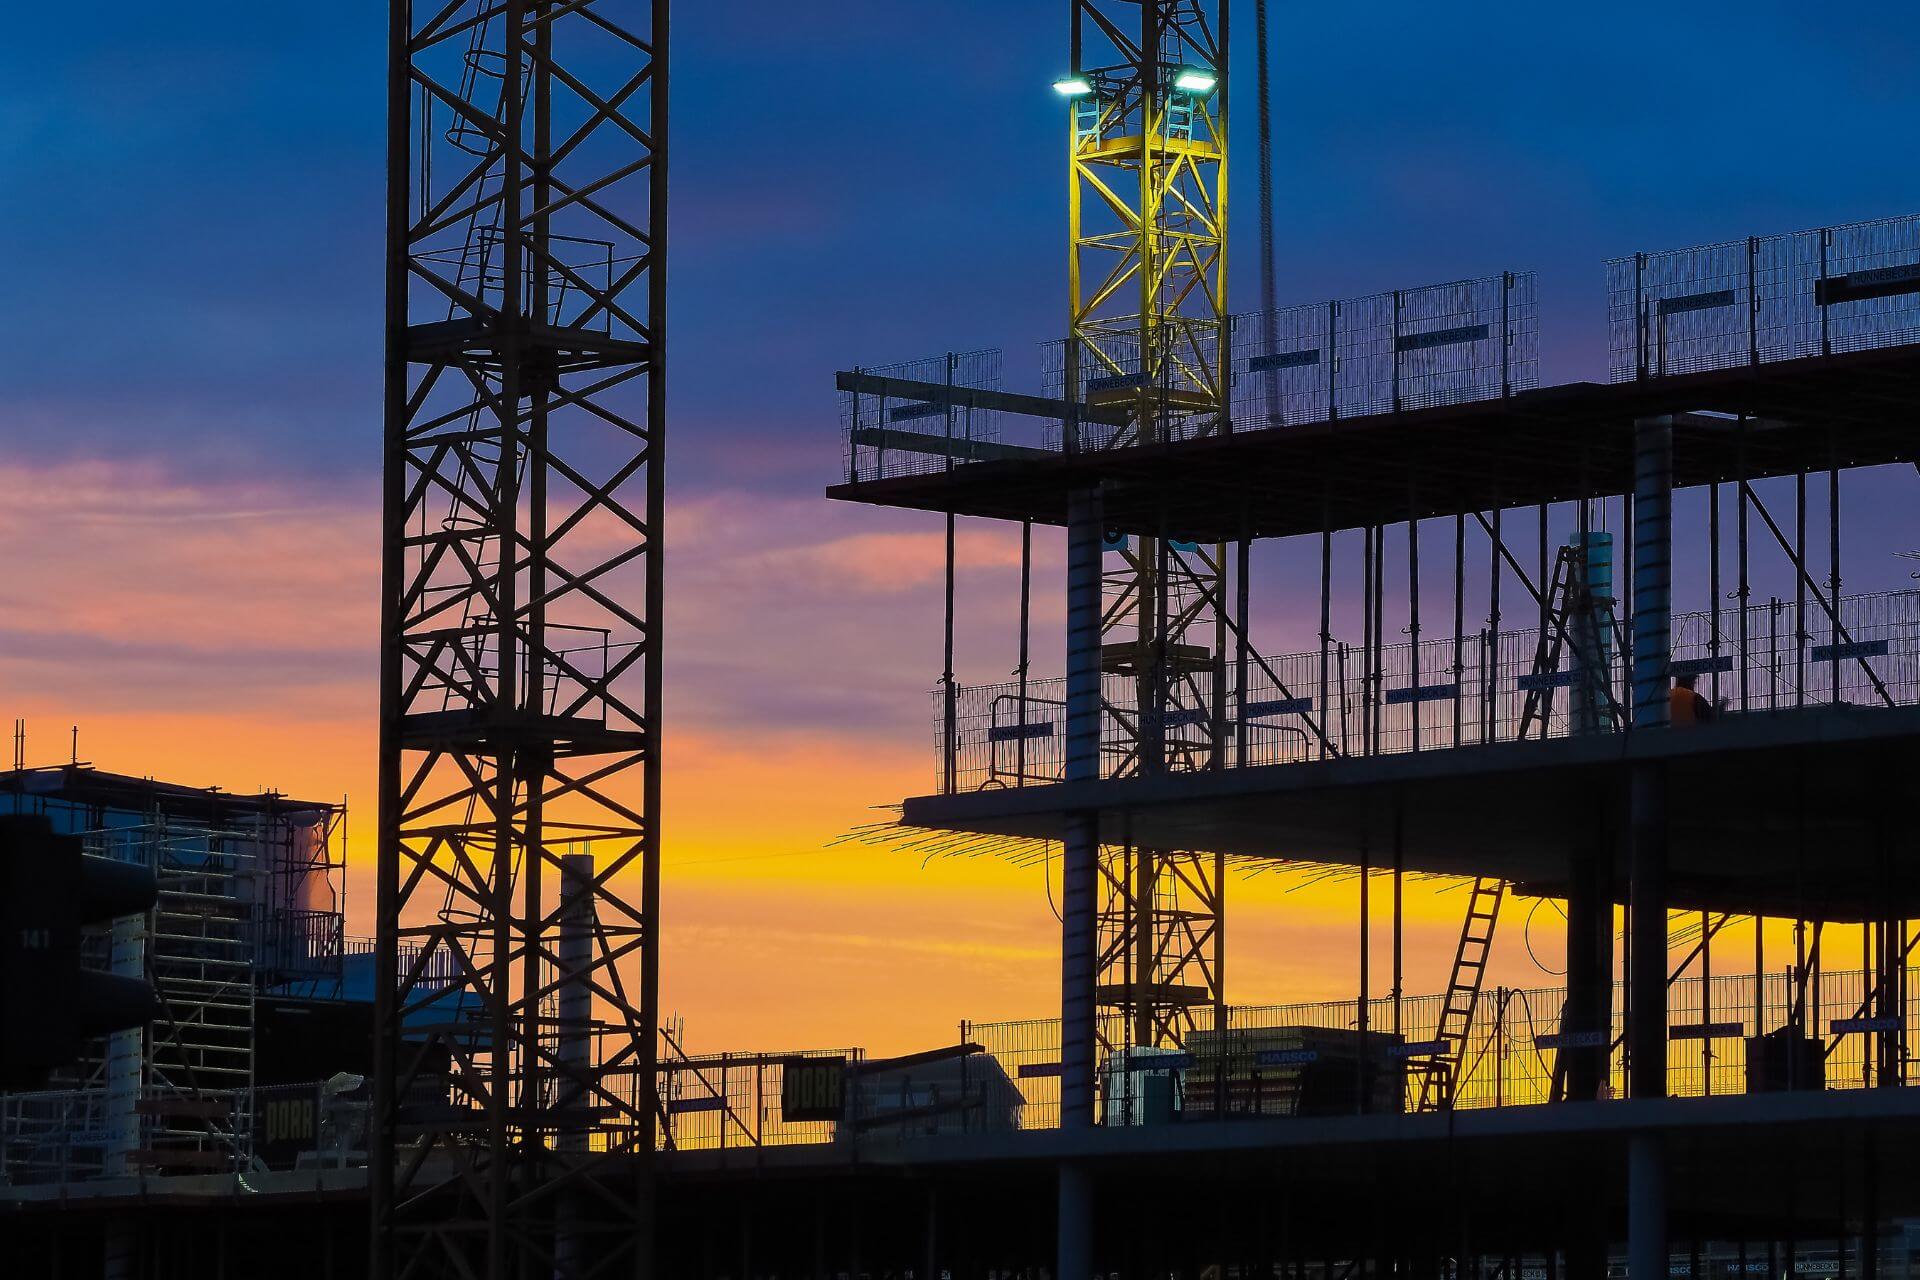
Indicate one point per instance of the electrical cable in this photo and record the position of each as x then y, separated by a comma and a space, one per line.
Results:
1526, 935
1046, 878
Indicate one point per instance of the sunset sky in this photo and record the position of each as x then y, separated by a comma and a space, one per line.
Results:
190, 369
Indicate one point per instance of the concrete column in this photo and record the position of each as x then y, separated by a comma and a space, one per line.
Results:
1646, 1208
120, 1251
1647, 792
1652, 569
1589, 967
1079, 873
126, 1053
1074, 1248
1647, 1002
1647, 836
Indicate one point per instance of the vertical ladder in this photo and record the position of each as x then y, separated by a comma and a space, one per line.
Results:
1087, 109
1180, 117
1437, 1071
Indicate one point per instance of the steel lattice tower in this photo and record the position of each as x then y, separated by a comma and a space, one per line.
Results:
1150, 332
515, 1109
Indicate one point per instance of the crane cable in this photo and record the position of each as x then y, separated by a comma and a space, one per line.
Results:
1268, 288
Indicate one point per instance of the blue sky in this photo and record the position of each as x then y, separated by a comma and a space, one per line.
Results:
192, 201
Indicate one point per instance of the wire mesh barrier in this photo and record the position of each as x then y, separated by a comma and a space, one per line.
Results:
1725, 1037
1491, 687
1439, 344
745, 1100
1763, 299
1448, 343
1719, 306
306, 1126
1406, 349
749, 1100
1106, 372
1729, 1034
886, 434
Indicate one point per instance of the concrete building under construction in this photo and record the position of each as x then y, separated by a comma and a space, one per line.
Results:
257, 984
1345, 588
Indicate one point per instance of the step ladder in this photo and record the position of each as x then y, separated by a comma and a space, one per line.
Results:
1573, 616
1438, 1072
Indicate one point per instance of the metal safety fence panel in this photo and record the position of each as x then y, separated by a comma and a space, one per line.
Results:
1451, 343
1322, 1058
885, 435
1773, 655
1266, 1061
1764, 299
750, 1099
1104, 368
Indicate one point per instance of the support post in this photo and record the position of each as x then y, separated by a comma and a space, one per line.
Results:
1079, 871
1647, 997
1646, 1208
1647, 817
1589, 969
949, 695
1647, 833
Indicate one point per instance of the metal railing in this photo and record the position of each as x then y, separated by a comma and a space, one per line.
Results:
295, 946
53, 1136
1432, 696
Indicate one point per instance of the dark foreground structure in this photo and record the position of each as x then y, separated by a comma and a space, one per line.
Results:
1628, 679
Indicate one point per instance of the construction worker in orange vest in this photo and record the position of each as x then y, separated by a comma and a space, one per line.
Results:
1685, 708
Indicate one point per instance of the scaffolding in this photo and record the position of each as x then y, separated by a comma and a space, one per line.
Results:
250, 902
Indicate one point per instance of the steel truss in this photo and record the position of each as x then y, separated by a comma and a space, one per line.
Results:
1148, 336
515, 1109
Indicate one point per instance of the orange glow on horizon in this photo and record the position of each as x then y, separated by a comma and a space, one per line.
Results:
225, 634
